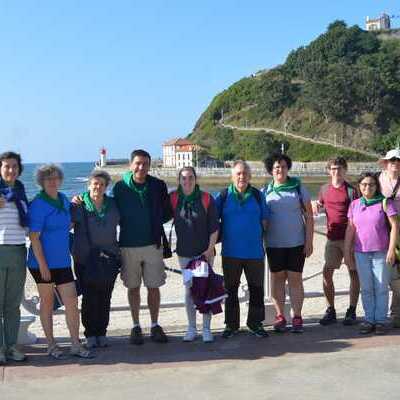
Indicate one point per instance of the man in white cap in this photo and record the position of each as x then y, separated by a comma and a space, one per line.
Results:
389, 180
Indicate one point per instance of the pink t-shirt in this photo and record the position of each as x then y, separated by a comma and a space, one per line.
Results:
372, 232
387, 186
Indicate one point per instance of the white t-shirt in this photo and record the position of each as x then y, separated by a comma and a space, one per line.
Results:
11, 232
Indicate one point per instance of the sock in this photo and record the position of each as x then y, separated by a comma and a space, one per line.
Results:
153, 324
135, 324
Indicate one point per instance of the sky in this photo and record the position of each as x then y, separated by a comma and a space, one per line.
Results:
79, 75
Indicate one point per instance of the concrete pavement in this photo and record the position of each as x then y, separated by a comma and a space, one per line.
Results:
325, 362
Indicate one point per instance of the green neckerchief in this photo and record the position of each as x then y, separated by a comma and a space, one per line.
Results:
56, 203
188, 199
290, 185
91, 207
370, 202
128, 179
240, 197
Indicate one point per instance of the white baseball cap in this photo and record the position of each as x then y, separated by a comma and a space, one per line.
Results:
395, 153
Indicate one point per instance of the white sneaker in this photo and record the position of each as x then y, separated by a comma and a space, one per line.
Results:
207, 336
190, 335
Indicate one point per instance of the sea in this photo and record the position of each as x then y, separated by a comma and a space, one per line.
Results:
76, 180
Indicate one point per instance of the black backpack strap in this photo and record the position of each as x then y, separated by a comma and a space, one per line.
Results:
257, 195
86, 222
395, 189
302, 205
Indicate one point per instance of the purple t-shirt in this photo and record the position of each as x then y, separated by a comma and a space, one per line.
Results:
372, 233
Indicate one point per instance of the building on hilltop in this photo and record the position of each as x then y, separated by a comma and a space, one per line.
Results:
179, 153
378, 24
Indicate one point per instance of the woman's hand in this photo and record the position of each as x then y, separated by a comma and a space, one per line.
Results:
349, 260
45, 273
209, 254
391, 257
308, 248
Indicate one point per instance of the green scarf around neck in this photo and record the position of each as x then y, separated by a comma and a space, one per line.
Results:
129, 181
91, 207
56, 203
240, 197
290, 185
370, 202
188, 200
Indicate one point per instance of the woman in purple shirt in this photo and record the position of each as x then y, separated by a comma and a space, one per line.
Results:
370, 245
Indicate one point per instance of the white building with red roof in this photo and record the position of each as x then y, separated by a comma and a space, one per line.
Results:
178, 153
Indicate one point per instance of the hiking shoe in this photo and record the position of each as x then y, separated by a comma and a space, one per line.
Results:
102, 341
228, 333
297, 325
366, 327
258, 331
350, 317
329, 317
279, 324
91, 342
207, 336
380, 329
15, 355
136, 336
190, 334
157, 334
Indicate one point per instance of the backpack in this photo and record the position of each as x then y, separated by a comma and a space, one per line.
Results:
299, 195
174, 198
350, 191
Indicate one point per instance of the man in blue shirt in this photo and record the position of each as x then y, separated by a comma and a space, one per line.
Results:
243, 213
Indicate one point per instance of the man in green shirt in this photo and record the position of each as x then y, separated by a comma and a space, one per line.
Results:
143, 204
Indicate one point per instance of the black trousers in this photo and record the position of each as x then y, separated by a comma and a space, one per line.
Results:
254, 271
95, 308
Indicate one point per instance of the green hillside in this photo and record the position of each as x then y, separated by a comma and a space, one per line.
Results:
344, 87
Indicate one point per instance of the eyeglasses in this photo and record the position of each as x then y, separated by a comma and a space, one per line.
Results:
394, 159
368, 184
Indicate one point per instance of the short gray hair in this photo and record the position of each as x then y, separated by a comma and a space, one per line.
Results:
100, 173
243, 163
47, 170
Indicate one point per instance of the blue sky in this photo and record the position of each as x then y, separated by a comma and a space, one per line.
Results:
79, 75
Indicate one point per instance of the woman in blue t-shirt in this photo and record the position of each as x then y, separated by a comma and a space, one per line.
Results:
49, 259
289, 238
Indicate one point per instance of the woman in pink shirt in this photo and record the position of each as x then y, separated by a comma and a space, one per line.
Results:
370, 246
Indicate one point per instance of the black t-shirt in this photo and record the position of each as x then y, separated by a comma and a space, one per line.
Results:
193, 226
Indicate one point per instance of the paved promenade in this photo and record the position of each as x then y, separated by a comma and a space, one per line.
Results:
324, 362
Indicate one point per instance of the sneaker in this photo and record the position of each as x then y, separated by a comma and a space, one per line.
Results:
207, 336
77, 350
380, 329
3, 358
228, 333
190, 335
329, 317
258, 331
297, 325
91, 342
15, 355
102, 341
366, 327
350, 317
279, 324
157, 334
136, 336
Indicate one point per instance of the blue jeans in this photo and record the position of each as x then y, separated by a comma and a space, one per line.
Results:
374, 274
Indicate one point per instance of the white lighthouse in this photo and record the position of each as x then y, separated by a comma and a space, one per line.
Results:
103, 161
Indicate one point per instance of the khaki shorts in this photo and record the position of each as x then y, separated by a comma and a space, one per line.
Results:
334, 251
143, 263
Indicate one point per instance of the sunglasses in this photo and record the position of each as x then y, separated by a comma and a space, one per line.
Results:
394, 159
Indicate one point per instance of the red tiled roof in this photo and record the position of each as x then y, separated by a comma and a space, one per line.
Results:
177, 142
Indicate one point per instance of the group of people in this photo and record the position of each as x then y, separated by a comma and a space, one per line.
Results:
276, 221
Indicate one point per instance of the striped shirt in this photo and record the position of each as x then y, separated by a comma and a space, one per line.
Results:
11, 232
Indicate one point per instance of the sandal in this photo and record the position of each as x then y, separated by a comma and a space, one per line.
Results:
55, 352
78, 350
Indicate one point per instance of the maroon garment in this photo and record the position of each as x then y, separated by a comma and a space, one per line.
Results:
336, 202
207, 293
